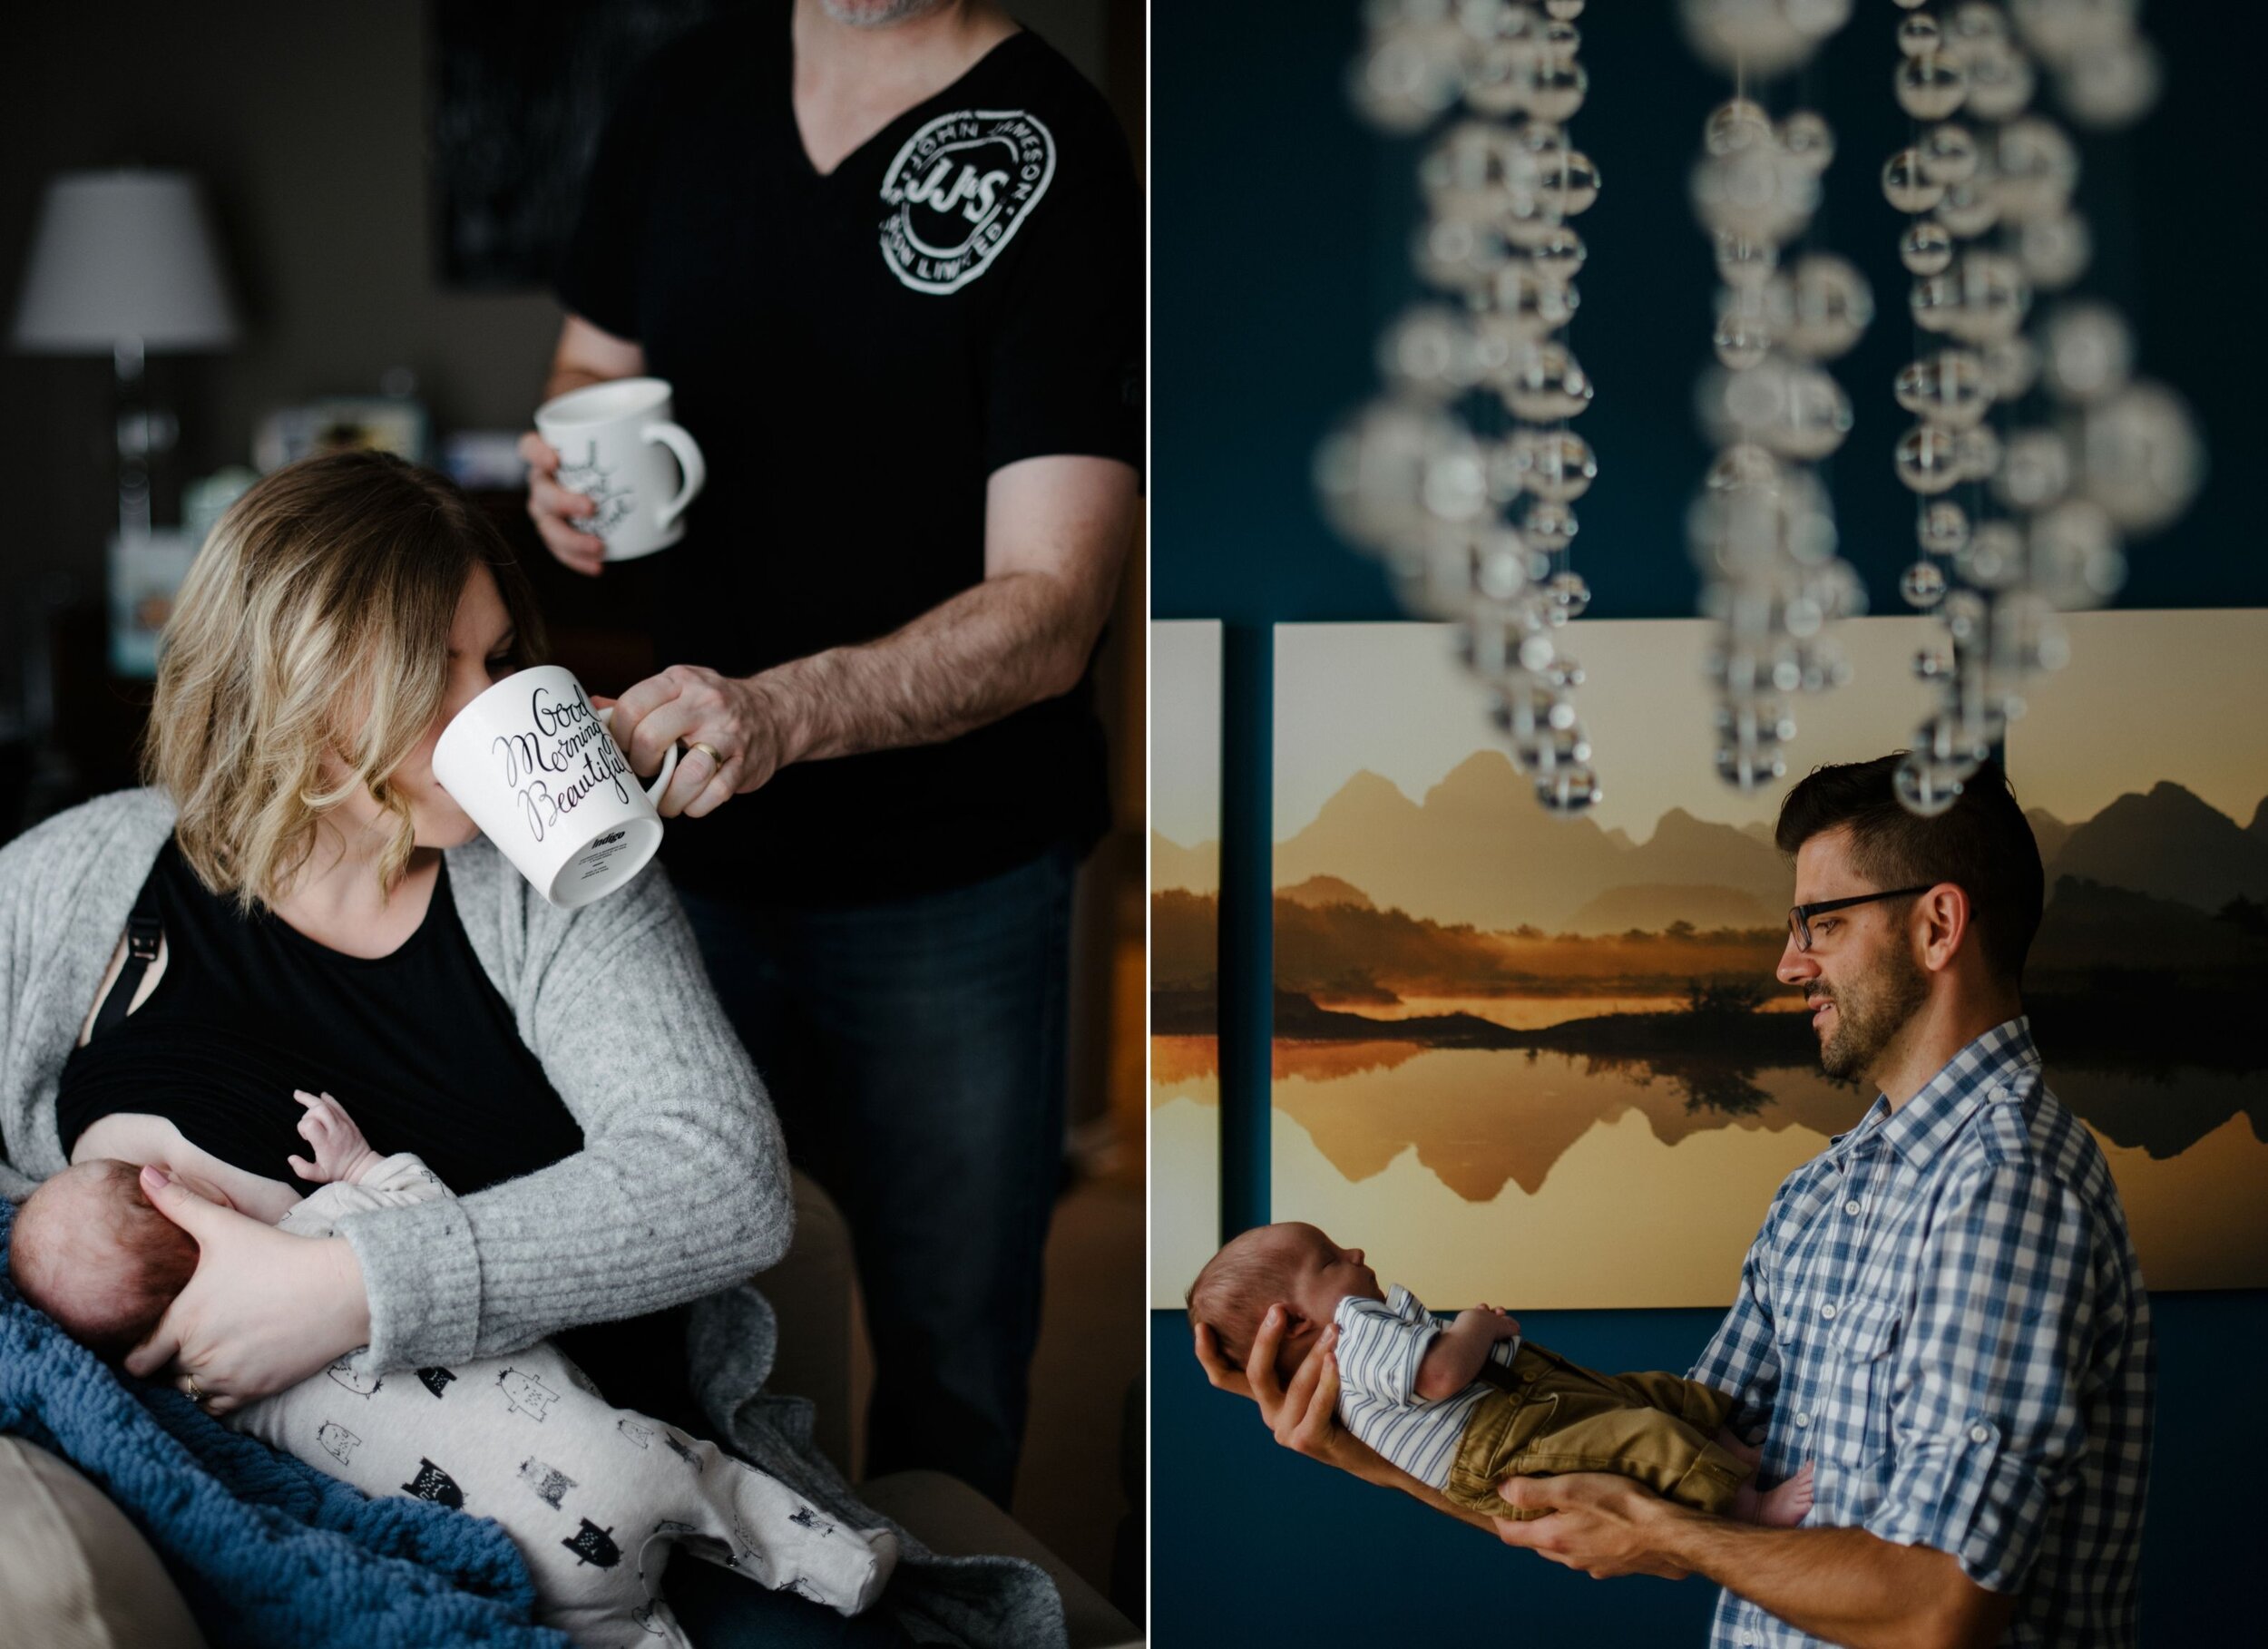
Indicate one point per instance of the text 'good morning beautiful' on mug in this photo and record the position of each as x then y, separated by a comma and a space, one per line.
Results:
615, 442
535, 767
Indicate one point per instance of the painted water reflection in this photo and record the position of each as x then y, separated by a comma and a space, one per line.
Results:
1184, 1163
1546, 1177
1530, 1012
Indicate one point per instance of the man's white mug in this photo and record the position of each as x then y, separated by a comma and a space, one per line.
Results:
535, 767
615, 442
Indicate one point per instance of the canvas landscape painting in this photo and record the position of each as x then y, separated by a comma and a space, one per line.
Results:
2144, 769
1185, 664
1544, 1060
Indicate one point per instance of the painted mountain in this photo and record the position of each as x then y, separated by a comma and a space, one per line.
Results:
2170, 845
1195, 870
1473, 893
1479, 849
1478, 852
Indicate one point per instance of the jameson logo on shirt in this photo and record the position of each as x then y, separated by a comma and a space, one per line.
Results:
564, 754
959, 191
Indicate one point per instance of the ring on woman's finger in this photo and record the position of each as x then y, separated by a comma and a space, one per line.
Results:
710, 750
195, 1395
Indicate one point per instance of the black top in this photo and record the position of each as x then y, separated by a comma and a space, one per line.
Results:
857, 354
417, 1045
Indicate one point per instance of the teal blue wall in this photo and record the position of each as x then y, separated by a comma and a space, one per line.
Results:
1279, 228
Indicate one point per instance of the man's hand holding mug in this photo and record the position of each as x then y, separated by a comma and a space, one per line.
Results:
611, 472
735, 734
560, 515
610, 475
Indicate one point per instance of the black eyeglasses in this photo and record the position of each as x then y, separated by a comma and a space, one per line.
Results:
1799, 917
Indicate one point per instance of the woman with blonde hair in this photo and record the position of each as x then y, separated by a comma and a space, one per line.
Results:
302, 906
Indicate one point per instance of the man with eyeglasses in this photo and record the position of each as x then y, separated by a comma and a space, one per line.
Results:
1942, 1310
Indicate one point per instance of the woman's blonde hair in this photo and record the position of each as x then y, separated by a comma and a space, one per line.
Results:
315, 623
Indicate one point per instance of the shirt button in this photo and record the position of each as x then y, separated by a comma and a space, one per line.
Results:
1801, 1421
1851, 1206
1977, 1434
1828, 1310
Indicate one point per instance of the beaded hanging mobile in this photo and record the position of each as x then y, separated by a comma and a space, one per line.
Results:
1763, 530
2034, 454
1462, 473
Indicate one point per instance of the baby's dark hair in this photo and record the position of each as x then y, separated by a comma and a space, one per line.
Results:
1235, 1290
90, 1251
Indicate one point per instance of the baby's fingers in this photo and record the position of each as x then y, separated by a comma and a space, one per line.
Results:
324, 1112
306, 1169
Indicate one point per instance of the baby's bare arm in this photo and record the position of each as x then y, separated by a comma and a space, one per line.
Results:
342, 1155
1453, 1360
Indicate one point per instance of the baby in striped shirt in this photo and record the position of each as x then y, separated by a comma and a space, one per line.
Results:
1461, 1408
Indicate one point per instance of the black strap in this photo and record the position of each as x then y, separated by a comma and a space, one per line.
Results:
144, 932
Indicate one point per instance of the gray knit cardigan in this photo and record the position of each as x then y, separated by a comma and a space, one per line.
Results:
681, 1188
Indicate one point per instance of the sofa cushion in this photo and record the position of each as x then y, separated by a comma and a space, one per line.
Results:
74, 1573
953, 1518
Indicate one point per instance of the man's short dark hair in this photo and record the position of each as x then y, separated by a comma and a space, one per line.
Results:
1982, 844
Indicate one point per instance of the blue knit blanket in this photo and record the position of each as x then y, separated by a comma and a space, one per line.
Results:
265, 1550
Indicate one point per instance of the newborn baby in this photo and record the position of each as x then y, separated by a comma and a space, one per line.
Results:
580, 1486
1464, 1407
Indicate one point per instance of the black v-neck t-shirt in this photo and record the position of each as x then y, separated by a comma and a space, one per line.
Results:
417, 1045
856, 353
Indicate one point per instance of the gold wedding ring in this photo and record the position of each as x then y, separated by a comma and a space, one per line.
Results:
716, 759
195, 1395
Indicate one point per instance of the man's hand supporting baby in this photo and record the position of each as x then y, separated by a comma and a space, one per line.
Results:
1843, 1584
1304, 1413
1453, 1360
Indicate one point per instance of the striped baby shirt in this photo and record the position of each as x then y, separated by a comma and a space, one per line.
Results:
1381, 1344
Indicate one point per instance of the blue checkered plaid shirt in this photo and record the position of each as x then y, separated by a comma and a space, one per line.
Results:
1942, 1312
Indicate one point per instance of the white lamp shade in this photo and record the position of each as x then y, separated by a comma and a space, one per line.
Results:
123, 255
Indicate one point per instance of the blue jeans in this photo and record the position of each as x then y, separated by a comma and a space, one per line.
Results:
914, 1051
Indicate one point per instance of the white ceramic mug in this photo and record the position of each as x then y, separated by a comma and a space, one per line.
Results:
615, 442
537, 768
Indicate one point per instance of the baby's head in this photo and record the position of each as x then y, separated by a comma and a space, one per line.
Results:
1292, 1265
90, 1252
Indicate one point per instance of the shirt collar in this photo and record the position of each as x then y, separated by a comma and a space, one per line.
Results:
1920, 1129
1406, 1305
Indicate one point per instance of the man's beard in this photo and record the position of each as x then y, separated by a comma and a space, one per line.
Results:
1871, 1010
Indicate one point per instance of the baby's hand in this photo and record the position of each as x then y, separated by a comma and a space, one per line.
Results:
1489, 1320
341, 1154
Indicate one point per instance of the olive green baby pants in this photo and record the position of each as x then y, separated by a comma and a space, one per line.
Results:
1549, 1416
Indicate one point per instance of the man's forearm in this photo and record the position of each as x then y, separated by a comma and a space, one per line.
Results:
1350, 1454
1010, 642
1843, 1584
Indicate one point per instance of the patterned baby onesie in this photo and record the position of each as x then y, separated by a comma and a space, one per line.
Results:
594, 1495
